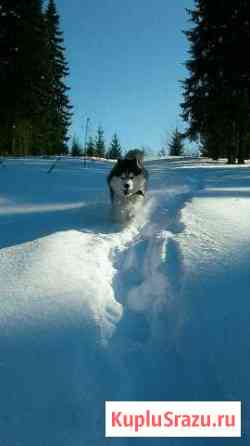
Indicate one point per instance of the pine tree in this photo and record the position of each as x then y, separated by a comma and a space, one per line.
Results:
22, 66
100, 143
90, 149
175, 146
162, 153
34, 108
115, 150
217, 91
8, 42
76, 149
58, 114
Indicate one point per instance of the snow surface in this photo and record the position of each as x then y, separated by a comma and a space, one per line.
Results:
92, 311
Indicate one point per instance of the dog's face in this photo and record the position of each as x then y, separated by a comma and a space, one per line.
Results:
128, 178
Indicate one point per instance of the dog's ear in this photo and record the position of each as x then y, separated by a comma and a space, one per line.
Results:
139, 163
136, 163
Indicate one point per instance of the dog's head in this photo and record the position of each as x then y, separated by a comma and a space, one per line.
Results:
128, 177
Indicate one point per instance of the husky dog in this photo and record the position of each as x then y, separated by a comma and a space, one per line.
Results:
127, 183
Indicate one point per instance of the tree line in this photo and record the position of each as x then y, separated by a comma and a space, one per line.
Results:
35, 111
96, 147
216, 102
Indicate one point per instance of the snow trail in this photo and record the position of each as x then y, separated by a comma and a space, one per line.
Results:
149, 268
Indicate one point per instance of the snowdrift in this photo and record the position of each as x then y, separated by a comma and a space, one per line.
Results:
92, 311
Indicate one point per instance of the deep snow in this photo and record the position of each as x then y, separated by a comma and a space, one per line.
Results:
92, 311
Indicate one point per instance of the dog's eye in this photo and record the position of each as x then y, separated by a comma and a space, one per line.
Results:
131, 176
123, 176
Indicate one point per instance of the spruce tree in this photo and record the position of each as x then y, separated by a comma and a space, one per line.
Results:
8, 44
58, 114
175, 146
91, 148
216, 93
162, 152
100, 143
115, 150
22, 66
76, 149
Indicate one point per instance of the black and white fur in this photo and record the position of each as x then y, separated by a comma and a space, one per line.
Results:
127, 183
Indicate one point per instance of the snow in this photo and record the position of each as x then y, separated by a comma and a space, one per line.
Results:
94, 311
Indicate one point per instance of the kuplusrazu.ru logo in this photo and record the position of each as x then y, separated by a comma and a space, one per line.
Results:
173, 419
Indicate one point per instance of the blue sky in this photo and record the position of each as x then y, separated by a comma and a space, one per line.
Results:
126, 60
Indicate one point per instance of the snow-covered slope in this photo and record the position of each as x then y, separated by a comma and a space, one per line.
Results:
91, 311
